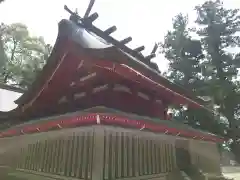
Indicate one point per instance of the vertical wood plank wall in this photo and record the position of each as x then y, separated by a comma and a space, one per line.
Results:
205, 155
66, 153
101, 153
132, 154
69, 156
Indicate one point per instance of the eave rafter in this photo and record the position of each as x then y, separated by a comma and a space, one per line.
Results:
86, 22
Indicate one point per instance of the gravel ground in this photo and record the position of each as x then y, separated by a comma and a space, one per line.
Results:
235, 176
231, 172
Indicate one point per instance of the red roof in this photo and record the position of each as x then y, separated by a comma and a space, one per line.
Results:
84, 71
72, 58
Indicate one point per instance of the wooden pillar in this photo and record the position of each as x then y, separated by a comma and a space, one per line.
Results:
98, 154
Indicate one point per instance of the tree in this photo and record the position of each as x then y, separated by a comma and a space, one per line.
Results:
208, 67
3, 58
217, 28
184, 55
23, 55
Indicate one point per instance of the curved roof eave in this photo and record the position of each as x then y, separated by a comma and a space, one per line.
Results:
69, 30
11, 88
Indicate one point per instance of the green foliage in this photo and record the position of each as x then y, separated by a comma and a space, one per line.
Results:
209, 66
218, 33
22, 56
183, 53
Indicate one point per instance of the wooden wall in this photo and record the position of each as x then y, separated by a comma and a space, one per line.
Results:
97, 153
132, 154
205, 155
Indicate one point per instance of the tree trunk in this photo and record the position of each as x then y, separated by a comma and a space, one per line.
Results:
3, 56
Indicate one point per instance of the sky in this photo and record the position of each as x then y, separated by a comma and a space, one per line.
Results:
147, 21
7, 99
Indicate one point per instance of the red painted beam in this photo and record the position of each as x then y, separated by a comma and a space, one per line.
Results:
109, 119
